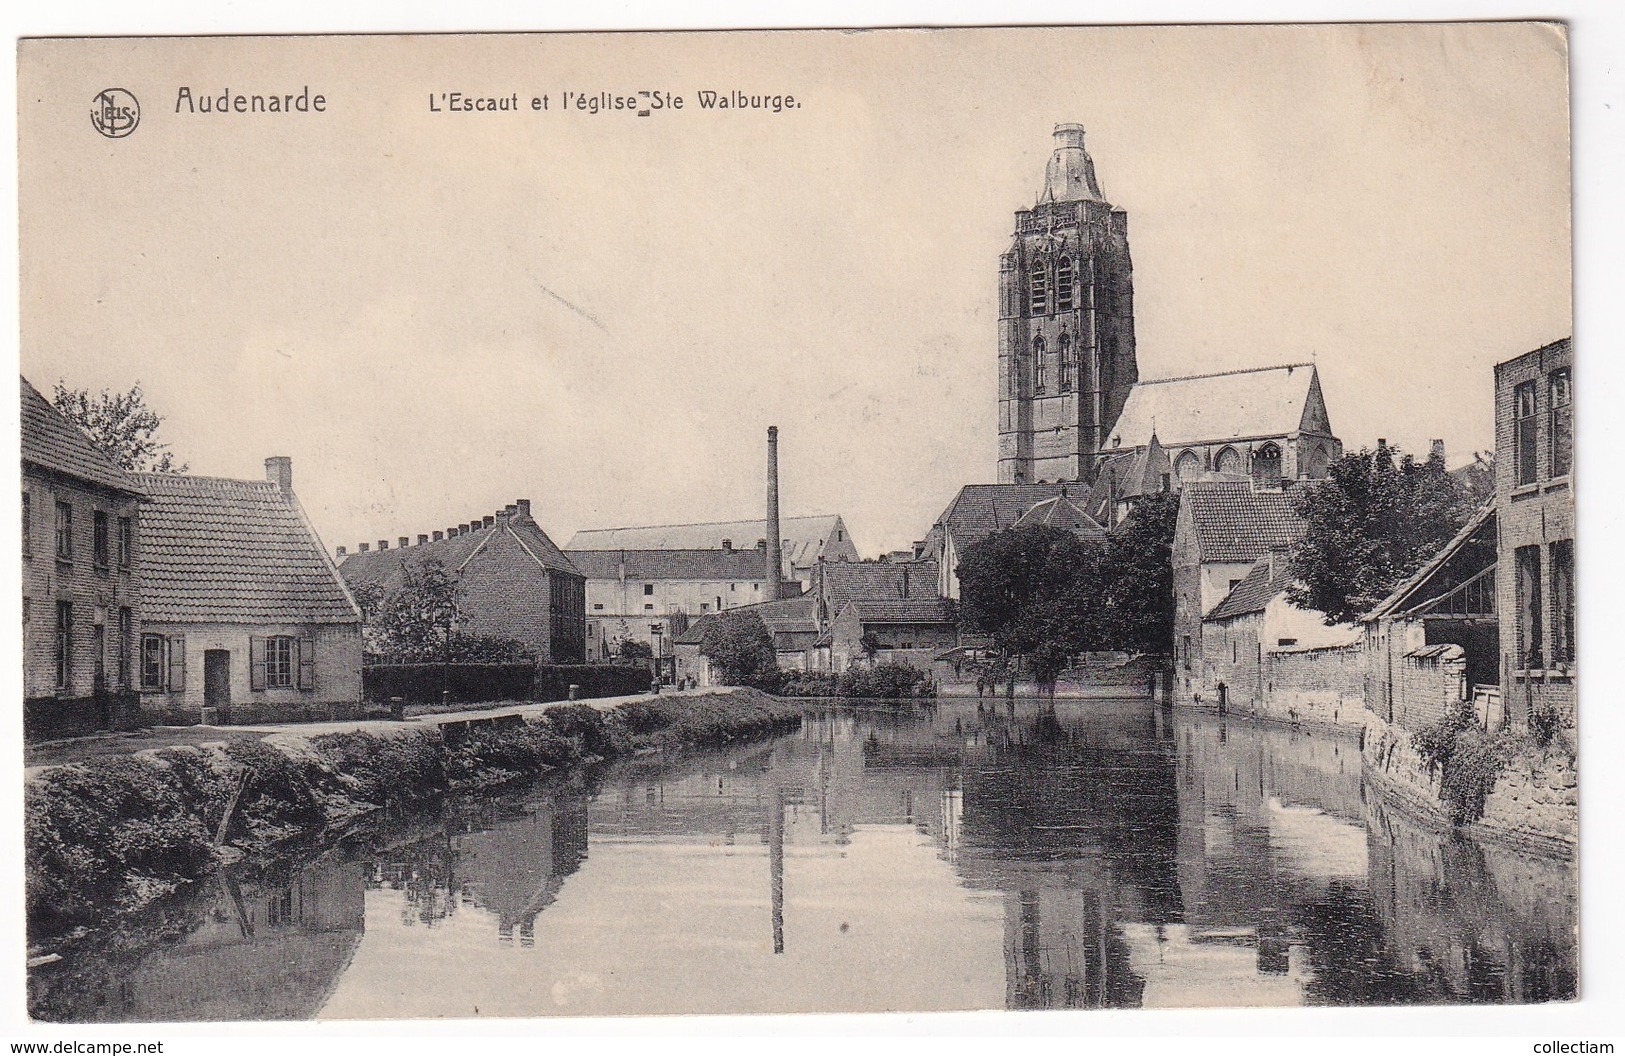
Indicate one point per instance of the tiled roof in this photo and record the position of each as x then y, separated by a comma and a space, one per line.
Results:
788, 615
232, 551
804, 538
52, 442
1061, 512
1269, 401
380, 567
838, 582
903, 610
1234, 521
745, 565
980, 509
1265, 582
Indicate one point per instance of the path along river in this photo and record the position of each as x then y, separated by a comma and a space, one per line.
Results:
1080, 855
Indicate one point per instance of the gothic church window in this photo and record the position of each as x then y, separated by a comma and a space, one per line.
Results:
1038, 288
1038, 365
1066, 362
1063, 285
1187, 467
1267, 464
1229, 461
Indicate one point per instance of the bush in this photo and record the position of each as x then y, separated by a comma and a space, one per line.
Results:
407, 766
586, 724
809, 684
1467, 760
1544, 723
892, 680
466, 683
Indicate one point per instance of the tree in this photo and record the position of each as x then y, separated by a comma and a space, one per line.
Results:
632, 649
1140, 578
121, 424
1038, 592
740, 650
413, 623
1373, 521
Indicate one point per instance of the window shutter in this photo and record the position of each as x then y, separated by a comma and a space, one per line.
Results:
177, 663
256, 663
307, 663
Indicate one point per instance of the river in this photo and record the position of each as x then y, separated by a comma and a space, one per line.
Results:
1081, 855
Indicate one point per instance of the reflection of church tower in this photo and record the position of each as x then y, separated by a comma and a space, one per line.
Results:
1066, 323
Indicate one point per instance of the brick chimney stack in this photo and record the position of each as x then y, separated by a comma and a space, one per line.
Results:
438, 536
364, 547
383, 544
404, 541
524, 509
1436, 450
342, 553
422, 539
279, 471
774, 565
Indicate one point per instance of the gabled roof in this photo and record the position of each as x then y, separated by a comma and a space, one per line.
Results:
838, 582
1267, 401
743, 565
380, 568
804, 537
786, 616
980, 509
1061, 512
233, 551
1234, 521
1478, 532
1267, 580
51, 441
902, 610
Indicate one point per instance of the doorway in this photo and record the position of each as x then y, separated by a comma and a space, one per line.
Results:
217, 681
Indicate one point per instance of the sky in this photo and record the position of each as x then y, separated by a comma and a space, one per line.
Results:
435, 314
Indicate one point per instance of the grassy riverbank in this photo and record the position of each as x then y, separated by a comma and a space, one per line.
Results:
115, 833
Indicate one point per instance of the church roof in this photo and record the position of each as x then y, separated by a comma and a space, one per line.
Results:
980, 509
1265, 401
1061, 512
804, 537
1070, 174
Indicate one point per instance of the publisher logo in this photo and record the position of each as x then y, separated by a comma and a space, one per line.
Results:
115, 113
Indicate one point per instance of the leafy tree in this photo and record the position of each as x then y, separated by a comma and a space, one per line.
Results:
1038, 592
1139, 586
632, 649
740, 649
869, 642
487, 649
121, 424
413, 623
1373, 521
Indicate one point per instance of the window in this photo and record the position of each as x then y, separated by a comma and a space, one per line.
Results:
1038, 288
126, 541
732, 587
1523, 433
28, 528
1560, 428
98, 538
1185, 652
705, 606
279, 662
1229, 461
598, 606
648, 589
1063, 285
1038, 365
125, 629
1234, 583
152, 661
648, 608
1066, 362
1562, 573
1527, 562
1267, 464
1234, 653
64, 643
98, 656
64, 532
1284, 642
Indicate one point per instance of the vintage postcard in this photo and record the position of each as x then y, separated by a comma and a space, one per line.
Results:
967, 519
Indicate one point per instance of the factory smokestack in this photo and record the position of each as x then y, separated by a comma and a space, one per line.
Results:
772, 589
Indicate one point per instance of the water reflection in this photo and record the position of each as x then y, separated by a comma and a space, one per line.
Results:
1093, 854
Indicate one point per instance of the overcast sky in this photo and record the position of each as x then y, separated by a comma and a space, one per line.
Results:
435, 314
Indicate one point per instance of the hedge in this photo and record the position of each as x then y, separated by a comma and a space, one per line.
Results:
477, 683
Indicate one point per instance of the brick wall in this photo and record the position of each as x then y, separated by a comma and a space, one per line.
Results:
1427, 686
1316, 685
506, 593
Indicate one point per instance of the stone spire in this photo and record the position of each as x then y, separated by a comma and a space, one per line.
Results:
1070, 174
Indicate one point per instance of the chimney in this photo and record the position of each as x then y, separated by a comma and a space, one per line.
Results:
363, 548
727, 546
438, 536
383, 544
462, 529
774, 567
488, 521
404, 541
422, 539
524, 509
511, 511
905, 582
761, 544
342, 553
1436, 450
279, 471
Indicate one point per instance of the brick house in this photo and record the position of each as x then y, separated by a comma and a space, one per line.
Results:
806, 540
792, 623
81, 589
1223, 528
244, 615
514, 583
1534, 502
912, 630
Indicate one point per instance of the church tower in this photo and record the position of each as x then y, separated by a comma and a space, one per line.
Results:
1066, 324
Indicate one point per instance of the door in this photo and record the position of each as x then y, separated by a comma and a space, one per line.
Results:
217, 678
